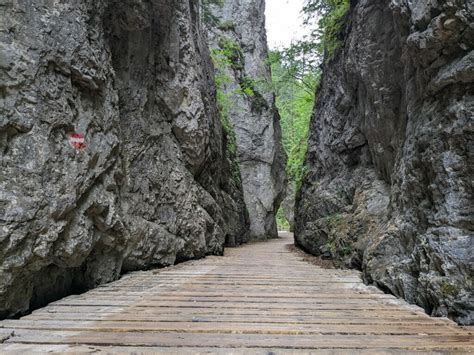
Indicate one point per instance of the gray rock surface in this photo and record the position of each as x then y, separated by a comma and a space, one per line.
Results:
389, 187
262, 159
288, 205
153, 184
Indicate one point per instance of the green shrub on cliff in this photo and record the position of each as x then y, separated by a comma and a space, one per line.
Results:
227, 25
221, 63
327, 18
231, 50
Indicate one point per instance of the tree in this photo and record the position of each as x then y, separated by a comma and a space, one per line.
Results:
326, 18
295, 95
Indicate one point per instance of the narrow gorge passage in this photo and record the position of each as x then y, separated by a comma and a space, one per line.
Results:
151, 150
261, 297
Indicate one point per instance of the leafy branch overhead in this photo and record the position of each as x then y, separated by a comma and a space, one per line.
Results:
326, 18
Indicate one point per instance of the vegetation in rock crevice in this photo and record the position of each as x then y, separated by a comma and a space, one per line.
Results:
296, 72
326, 18
222, 60
230, 55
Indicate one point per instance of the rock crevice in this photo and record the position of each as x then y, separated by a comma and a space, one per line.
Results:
238, 33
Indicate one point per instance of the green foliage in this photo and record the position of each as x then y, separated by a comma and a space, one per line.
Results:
331, 246
346, 250
282, 222
226, 25
296, 75
248, 86
295, 100
221, 63
339, 242
449, 290
338, 249
232, 52
295, 78
324, 18
327, 16
229, 55
300, 58
224, 104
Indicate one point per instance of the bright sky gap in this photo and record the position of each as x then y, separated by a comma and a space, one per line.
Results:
284, 22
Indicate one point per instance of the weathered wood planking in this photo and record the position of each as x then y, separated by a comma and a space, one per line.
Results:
260, 298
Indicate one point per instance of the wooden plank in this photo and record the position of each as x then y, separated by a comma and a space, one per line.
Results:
307, 319
79, 349
425, 342
231, 327
191, 308
243, 303
183, 293
237, 299
323, 316
218, 305
267, 279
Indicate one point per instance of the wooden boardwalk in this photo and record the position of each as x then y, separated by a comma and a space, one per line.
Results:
259, 298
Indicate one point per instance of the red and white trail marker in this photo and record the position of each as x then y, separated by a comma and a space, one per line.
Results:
77, 140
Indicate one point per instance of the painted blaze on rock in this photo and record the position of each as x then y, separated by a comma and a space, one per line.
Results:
154, 186
77, 140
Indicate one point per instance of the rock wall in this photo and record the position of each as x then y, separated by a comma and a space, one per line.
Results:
112, 151
288, 205
238, 28
389, 186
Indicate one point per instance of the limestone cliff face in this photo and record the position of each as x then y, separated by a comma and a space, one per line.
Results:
151, 183
389, 187
239, 28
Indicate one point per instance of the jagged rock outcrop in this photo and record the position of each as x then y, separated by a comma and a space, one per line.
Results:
237, 29
113, 155
391, 153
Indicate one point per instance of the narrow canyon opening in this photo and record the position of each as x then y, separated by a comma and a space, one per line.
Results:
140, 134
